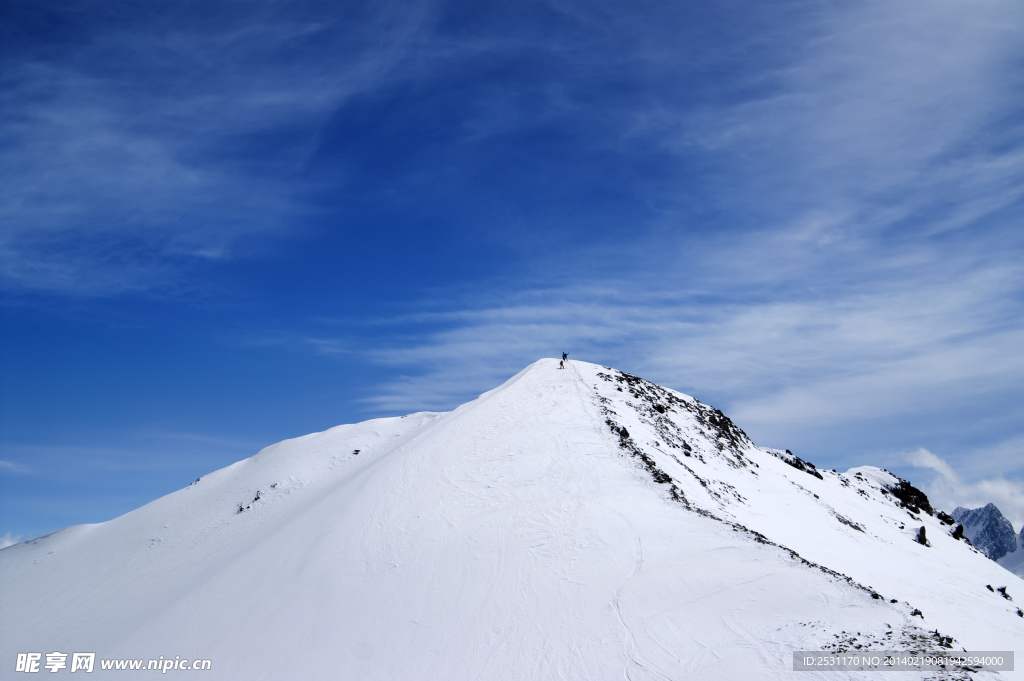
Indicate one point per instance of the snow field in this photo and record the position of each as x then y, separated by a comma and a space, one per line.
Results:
513, 538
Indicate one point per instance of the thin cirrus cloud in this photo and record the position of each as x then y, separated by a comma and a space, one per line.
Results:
138, 160
885, 98
814, 222
813, 371
133, 160
882, 134
739, 347
13, 467
9, 539
881, 140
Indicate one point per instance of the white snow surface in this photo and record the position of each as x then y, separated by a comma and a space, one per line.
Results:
524, 535
1014, 562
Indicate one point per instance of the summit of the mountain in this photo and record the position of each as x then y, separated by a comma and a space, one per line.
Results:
989, 531
578, 523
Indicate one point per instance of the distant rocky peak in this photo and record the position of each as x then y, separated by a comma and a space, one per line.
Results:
988, 530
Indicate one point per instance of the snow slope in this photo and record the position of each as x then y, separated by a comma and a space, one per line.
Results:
576, 524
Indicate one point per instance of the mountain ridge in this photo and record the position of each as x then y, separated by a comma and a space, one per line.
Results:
577, 523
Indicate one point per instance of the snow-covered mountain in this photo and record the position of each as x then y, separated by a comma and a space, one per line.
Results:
988, 530
992, 534
576, 524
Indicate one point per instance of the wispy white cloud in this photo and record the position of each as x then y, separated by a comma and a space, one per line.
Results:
870, 113
884, 98
1004, 456
124, 176
948, 489
328, 346
888, 128
9, 540
199, 439
871, 277
13, 467
779, 361
140, 452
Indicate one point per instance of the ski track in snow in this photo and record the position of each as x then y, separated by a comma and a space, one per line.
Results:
630, 651
576, 524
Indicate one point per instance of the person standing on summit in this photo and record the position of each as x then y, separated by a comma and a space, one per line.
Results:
565, 356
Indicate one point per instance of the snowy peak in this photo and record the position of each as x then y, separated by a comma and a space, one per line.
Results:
571, 523
988, 530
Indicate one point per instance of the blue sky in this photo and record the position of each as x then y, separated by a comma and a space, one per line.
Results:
223, 224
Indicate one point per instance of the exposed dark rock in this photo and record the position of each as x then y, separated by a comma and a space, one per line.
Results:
626, 443
921, 538
910, 497
846, 521
661, 477
958, 533
653, 404
796, 462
